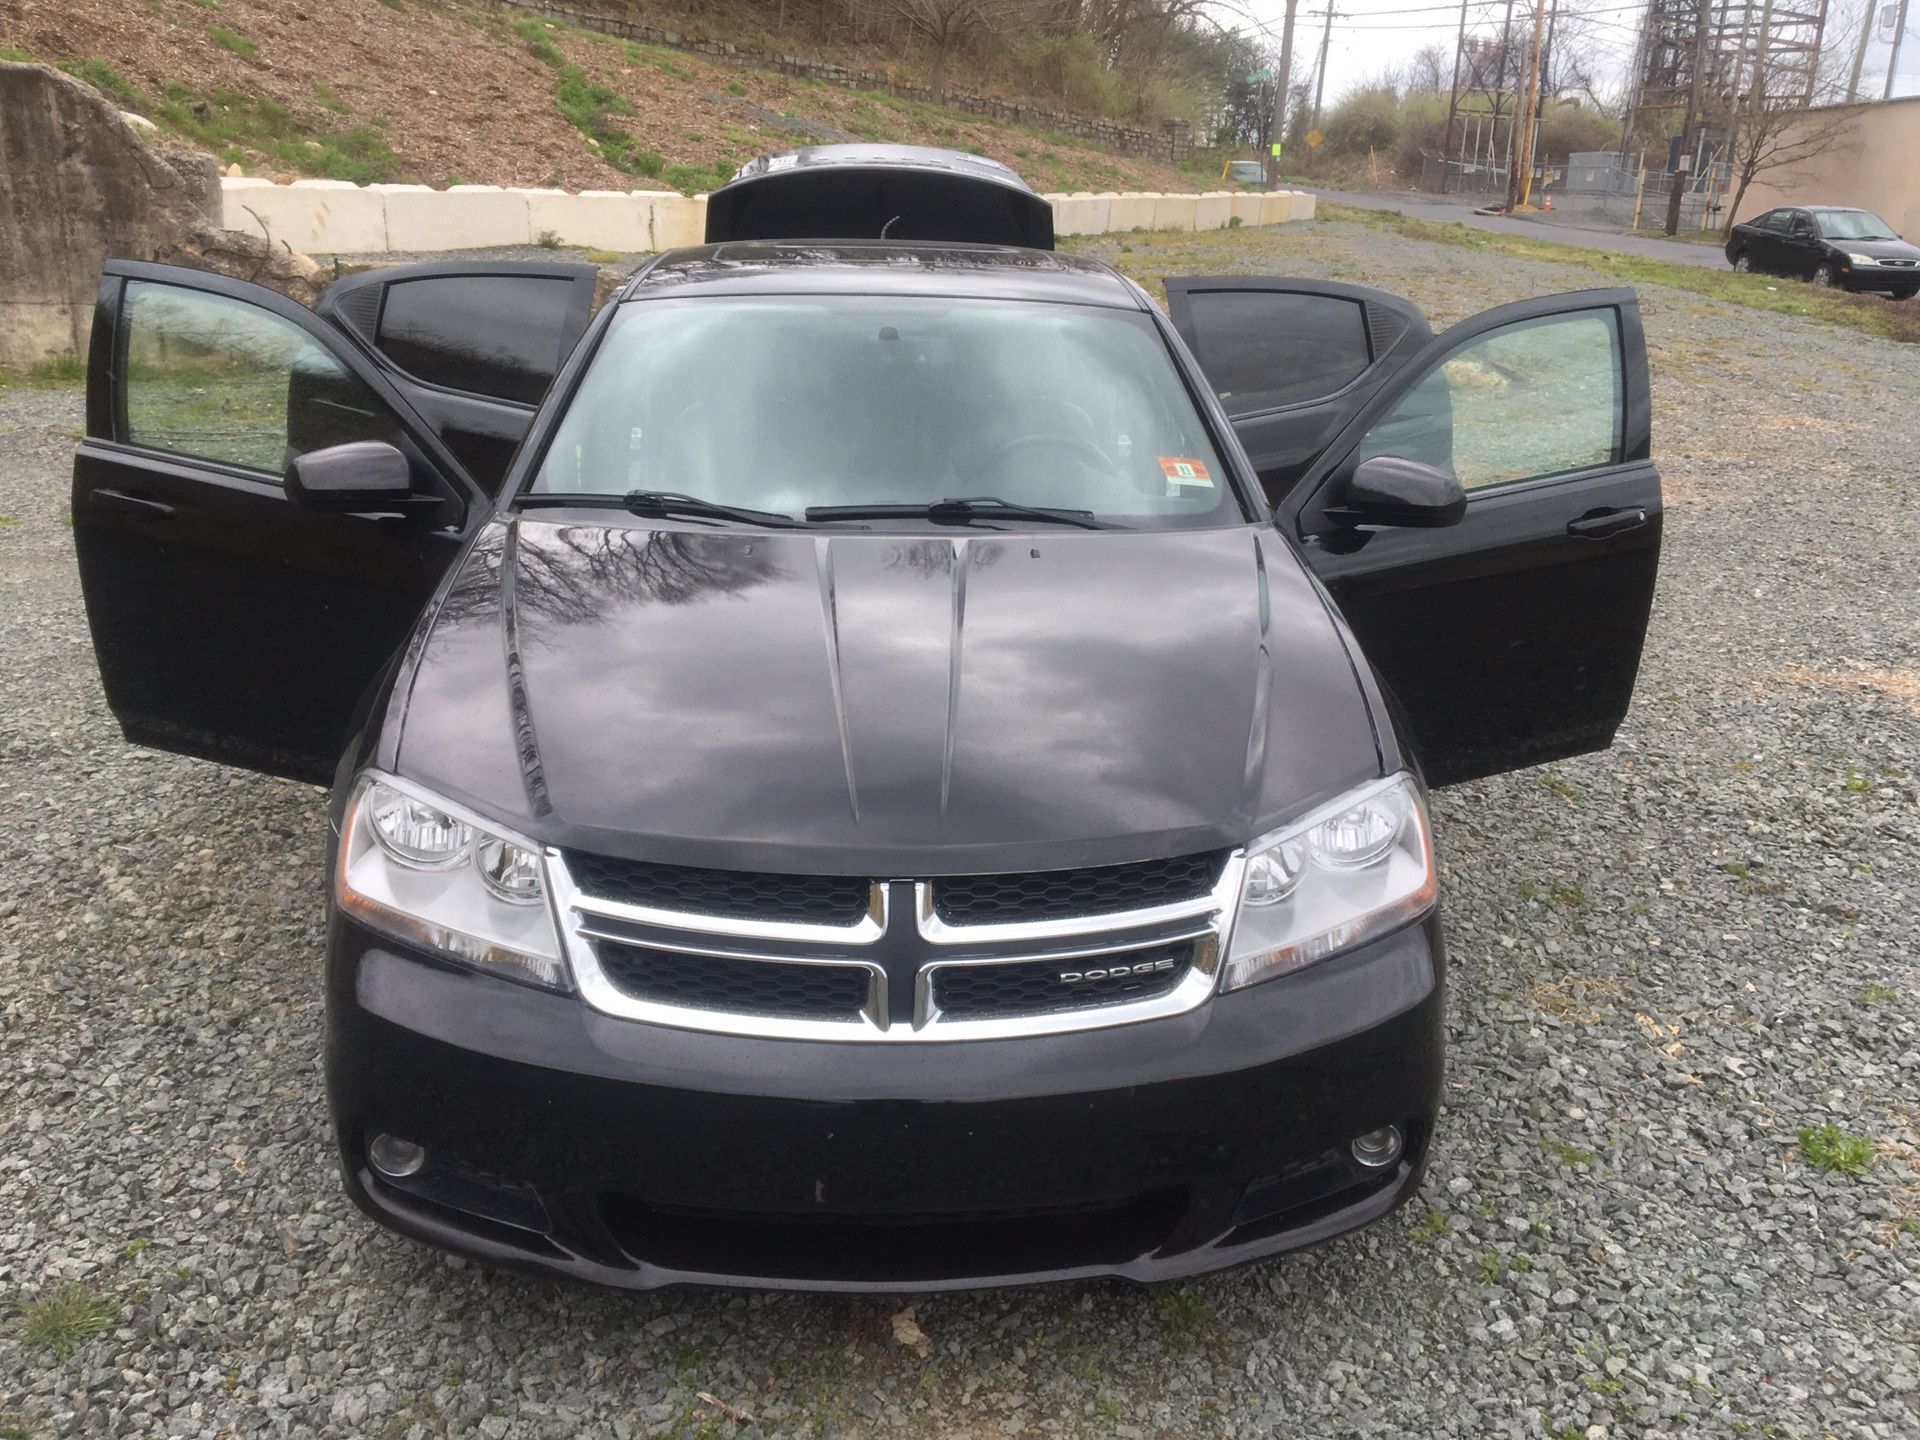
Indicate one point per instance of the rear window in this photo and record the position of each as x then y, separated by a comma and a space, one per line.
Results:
489, 335
1265, 349
784, 403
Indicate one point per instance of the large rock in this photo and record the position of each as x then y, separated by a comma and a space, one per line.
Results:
79, 184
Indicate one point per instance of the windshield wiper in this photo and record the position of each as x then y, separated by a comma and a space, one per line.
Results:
959, 511
663, 503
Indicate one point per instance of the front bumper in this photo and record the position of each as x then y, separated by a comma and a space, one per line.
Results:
1880, 278
565, 1141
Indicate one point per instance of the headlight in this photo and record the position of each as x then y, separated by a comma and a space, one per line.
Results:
1350, 870
1862, 259
417, 868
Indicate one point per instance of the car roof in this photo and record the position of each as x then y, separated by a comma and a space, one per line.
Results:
880, 267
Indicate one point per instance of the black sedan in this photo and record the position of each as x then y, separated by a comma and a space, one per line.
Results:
1830, 245
870, 763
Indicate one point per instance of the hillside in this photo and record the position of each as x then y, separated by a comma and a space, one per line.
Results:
454, 91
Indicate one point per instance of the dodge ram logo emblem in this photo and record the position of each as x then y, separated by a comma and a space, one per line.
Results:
1116, 972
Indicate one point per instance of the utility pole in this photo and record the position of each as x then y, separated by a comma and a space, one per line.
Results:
1695, 93
1285, 79
1893, 60
1860, 54
1520, 152
1320, 80
1453, 97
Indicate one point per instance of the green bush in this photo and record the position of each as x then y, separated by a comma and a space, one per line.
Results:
1068, 70
1366, 120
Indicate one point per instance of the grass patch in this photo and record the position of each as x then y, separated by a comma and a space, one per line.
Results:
538, 39
232, 40
103, 78
602, 257
60, 372
1876, 992
1433, 1227
18, 57
1566, 1154
230, 123
325, 97
63, 1318
1756, 292
1829, 1148
1184, 1314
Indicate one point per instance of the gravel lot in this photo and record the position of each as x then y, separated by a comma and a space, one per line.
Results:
1667, 960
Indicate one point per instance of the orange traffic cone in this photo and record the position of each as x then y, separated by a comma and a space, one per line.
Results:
1546, 202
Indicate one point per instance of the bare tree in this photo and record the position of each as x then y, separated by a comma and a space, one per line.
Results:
946, 25
1430, 71
1770, 135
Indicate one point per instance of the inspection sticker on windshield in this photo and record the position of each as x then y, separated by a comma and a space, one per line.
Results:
1182, 471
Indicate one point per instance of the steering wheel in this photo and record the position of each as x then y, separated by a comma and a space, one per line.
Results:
1084, 451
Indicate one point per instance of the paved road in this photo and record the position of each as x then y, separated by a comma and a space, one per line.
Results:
1423, 207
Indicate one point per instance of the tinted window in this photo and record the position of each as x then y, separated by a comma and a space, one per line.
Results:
1262, 349
790, 402
221, 379
1799, 224
490, 335
1537, 398
1775, 220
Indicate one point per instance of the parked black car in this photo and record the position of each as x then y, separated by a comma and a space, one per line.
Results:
914, 774
1828, 245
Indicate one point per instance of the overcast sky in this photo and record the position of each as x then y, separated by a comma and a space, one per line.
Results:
1369, 35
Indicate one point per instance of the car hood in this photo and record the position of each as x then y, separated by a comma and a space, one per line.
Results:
909, 704
1879, 249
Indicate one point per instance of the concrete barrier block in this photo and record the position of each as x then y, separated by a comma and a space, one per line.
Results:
1210, 211
1303, 204
464, 217
675, 219
1247, 206
1173, 212
326, 217
602, 219
1129, 212
1276, 207
1080, 213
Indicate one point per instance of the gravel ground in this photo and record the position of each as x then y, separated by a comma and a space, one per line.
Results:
1667, 960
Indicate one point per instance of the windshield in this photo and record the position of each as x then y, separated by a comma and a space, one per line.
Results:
785, 403
1853, 225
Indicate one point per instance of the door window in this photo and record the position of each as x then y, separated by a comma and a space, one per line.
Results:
1264, 350
1774, 220
1801, 228
491, 335
1536, 398
221, 379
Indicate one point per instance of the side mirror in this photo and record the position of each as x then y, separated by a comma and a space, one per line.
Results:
1389, 490
360, 475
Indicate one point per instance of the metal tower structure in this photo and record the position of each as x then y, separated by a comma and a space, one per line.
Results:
1754, 48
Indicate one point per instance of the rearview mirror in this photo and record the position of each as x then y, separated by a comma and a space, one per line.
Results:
1390, 490
360, 475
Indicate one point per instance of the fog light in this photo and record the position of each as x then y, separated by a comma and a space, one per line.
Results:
1377, 1148
397, 1159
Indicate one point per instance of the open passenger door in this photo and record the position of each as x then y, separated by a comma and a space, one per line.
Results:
1292, 360
1512, 636
232, 619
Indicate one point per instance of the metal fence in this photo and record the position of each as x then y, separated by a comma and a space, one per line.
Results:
1593, 188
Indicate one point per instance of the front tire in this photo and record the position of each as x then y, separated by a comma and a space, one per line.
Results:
1823, 276
1743, 263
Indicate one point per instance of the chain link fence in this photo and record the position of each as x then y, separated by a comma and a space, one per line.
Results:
1594, 188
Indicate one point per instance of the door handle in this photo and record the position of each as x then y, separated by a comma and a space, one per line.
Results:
137, 506
1602, 523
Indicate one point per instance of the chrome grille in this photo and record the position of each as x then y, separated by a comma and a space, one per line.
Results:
1137, 946
832, 899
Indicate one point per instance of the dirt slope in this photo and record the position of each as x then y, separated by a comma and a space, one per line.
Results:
462, 91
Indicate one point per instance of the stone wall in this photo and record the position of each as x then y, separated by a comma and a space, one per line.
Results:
1170, 143
332, 217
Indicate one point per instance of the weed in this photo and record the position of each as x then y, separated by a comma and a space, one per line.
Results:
1487, 1267
326, 99
1434, 1226
454, 179
547, 240
1184, 1313
1601, 1384
232, 40
399, 5
1566, 1154
734, 87
1521, 1264
18, 57
1234, 222
57, 372
208, 4
1107, 1408
1857, 782
62, 1319
1877, 992
7, 522
1907, 1225
535, 35
602, 257
134, 1247
1560, 787
1571, 897
1828, 1147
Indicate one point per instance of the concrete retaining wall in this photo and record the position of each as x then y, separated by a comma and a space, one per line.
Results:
333, 217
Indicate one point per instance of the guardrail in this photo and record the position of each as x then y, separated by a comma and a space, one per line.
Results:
336, 217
